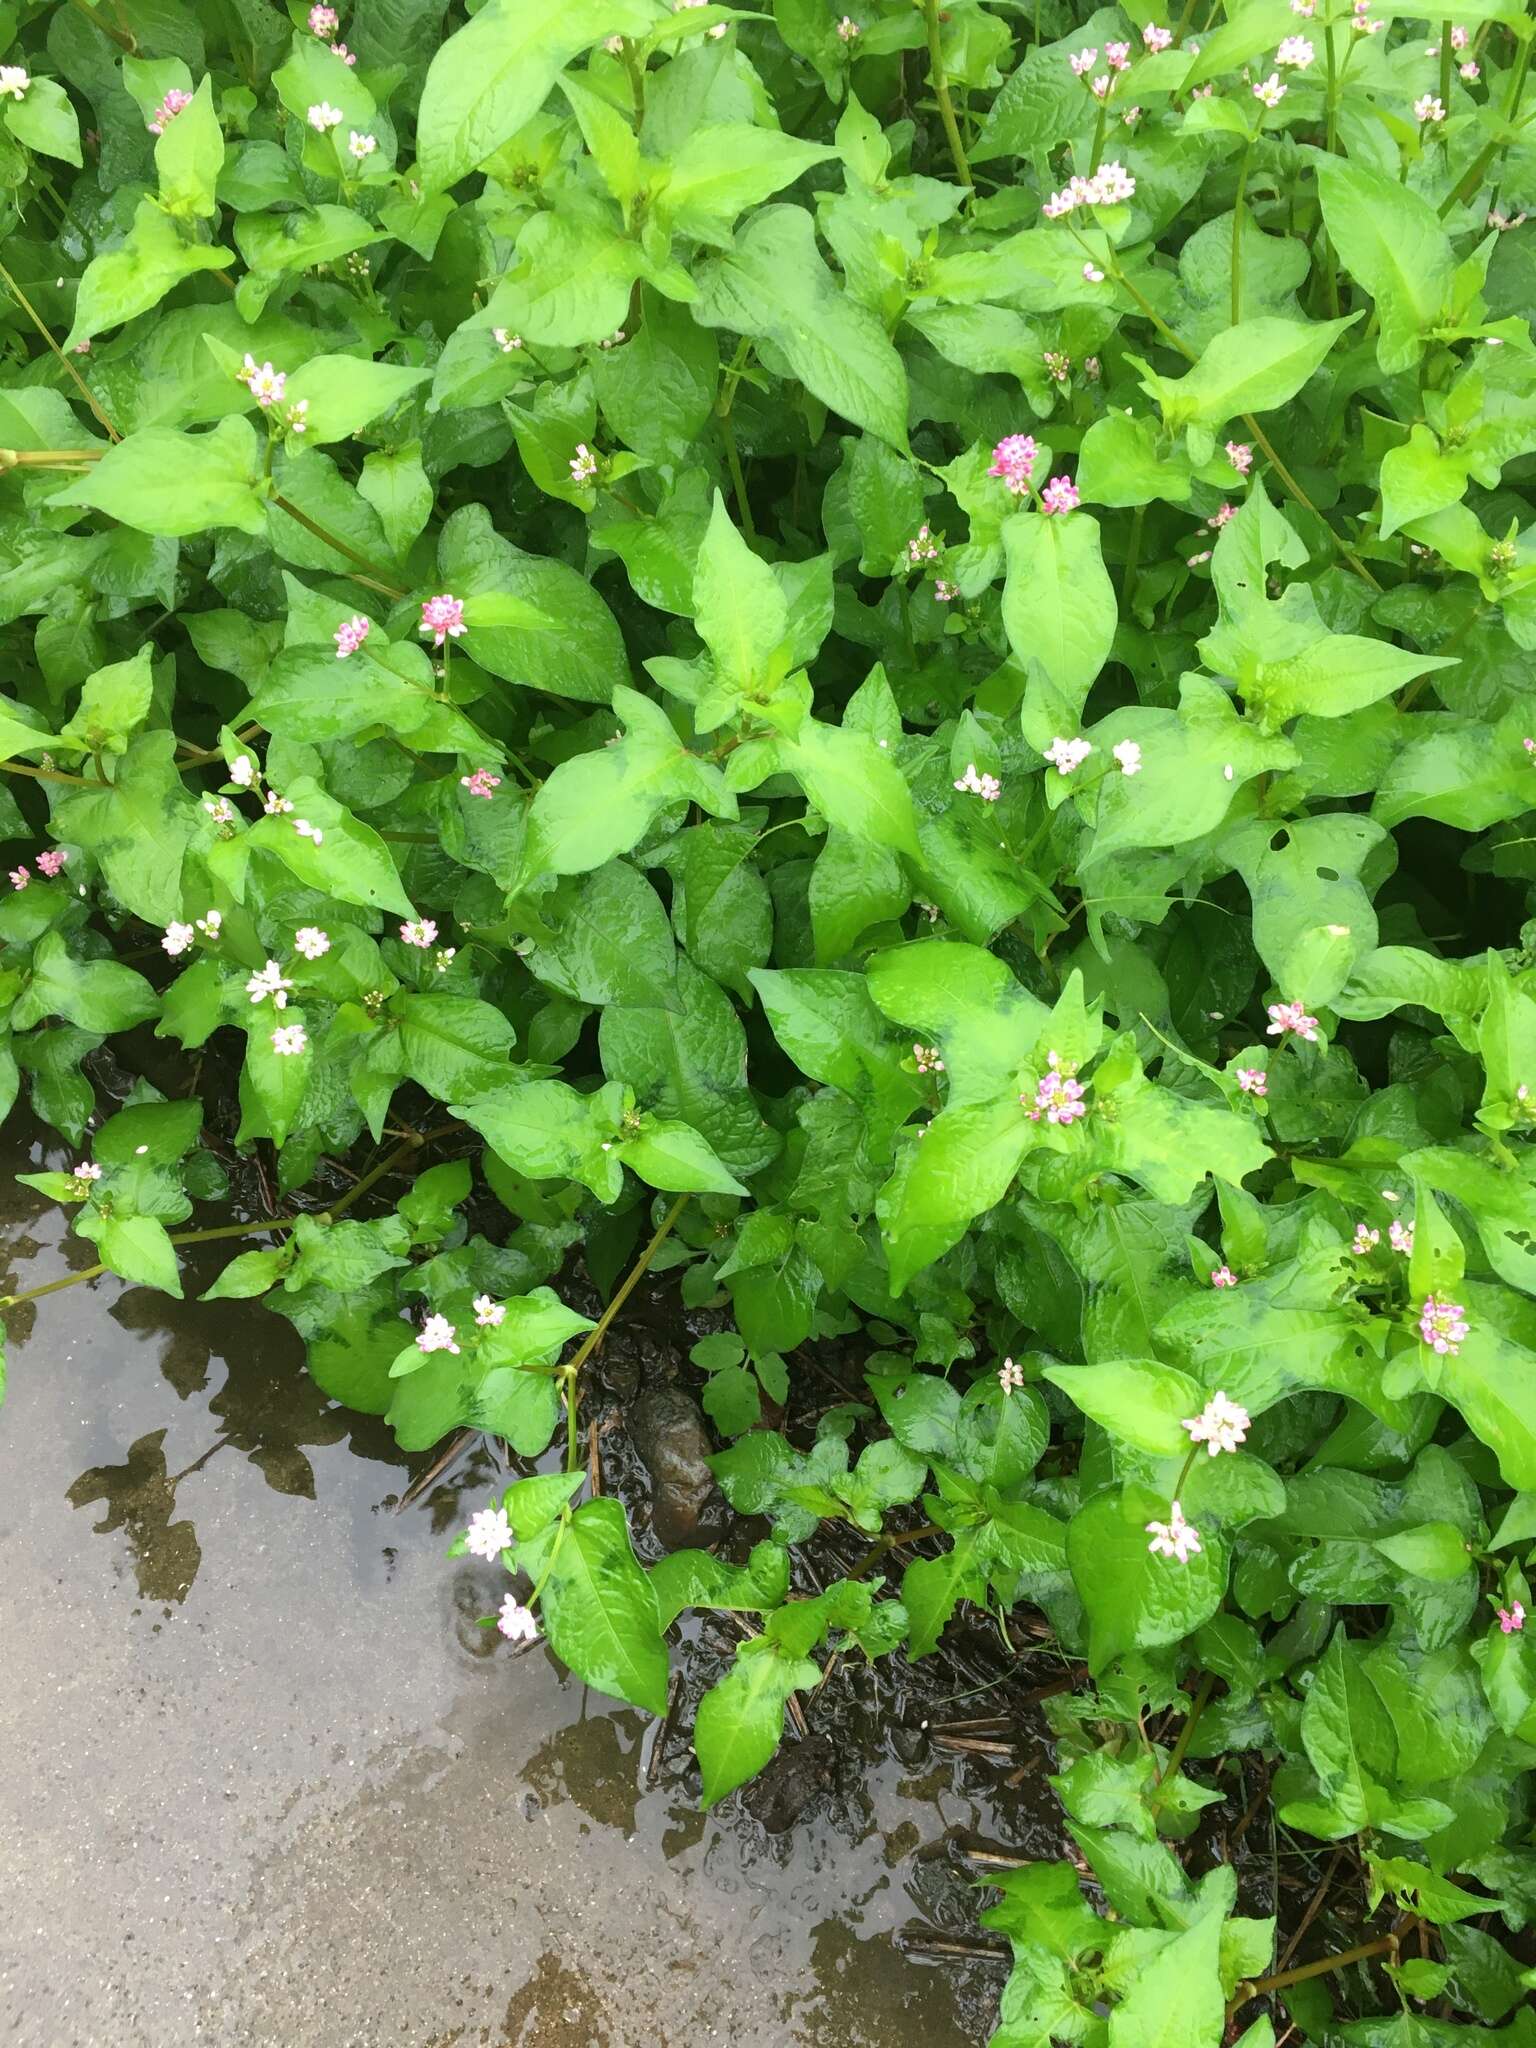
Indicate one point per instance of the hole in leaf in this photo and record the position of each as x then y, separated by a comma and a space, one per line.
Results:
1327, 874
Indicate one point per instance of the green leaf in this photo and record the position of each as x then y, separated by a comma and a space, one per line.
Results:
189, 156
247, 1275
1175, 2000
98, 995
1431, 1550
1390, 240
740, 1720
44, 119
854, 785
775, 288
494, 74
113, 703
1137, 1399
162, 482
1252, 367
571, 282
670, 1155
1058, 610
741, 613
135, 1247
344, 394
153, 259
598, 1609
1135, 1600
348, 859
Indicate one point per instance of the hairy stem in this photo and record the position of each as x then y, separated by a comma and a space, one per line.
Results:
1257, 1986
373, 580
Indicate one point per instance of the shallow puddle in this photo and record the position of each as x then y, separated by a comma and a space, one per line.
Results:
265, 1781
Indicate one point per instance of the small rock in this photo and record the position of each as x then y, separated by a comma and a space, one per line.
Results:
668, 1433
780, 1793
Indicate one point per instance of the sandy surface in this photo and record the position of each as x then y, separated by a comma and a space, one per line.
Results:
265, 1781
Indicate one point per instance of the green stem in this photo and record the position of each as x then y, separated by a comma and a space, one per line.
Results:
1445, 64
121, 37
177, 1237
374, 580
570, 1372
940, 84
1237, 237
882, 1544
40, 324
48, 775
1296, 491
738, 480
1474, 177
1132, 558
1191, 1720
1255, 1987
387, 1164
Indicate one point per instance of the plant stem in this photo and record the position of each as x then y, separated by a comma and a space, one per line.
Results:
177, 1237
738, 481
570, 1372
1258, 1985
47, 458
48, 774
1474, 177
1445, 64
1237, 238
1191, 1720
940, 84
121, 37
894, 1541
1132, 558
1301, 498
387, 1164
374, 580
32, 314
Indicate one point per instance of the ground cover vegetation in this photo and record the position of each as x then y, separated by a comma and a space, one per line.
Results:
881, 664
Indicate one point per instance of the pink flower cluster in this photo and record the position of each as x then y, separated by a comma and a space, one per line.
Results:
1174, 1538
1221, 1425
1284, 1017
175, 102
1059, 1095
1511, 1619
481, 783
1108, 186
1060, 495
1253, 1081
1223, 1277
442, 619
1442, 1325
1013, 459
351, 634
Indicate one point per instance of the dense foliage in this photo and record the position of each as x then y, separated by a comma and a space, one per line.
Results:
883, 664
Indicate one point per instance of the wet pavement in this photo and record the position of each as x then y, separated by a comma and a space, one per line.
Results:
264, 1781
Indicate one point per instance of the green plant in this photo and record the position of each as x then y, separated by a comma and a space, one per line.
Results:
883, 666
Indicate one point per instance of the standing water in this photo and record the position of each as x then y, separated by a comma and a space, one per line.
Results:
266, 1780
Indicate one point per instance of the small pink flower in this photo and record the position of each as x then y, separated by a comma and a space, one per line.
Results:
1118, 55
15, 81
442, 618
489, 1314
1065, 756
1269, 91
1400, 1237
927, 1059
1174, 1538
1295, 53
922, 547
87, 1171
51, 860
945, 592
1010, 1376
1223, 1277
1458, 36
1059, 1094
1469, 71
420, 932
177, 938
311, 941
1058, 367
489, 1534
848, 29
266, 384
515, 1621
1253, 1081
1284, 1017
1365, 1240
1092, 274
1220, 517
20, 877
307, 831
583, 464
437, 1334
987, 787
1511, 1619
345, 54
1428, 108
1156, 38
175, 102
324, 22
1240, 455
1131, 116
1060, 495
481, 783
1442, 1325
1099, 86
351, 634
1083, 62
323, 117
1013, 459
361, 147
289, 1040
1221, 1425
